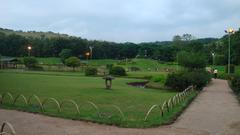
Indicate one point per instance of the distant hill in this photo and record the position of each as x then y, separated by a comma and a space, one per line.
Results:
34, 34
207, 40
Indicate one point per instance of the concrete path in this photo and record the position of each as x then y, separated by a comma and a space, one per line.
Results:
215, 111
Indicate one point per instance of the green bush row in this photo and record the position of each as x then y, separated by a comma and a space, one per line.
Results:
235, 83
183, 79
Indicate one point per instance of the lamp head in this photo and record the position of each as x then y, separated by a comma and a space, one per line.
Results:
230, 31
87, 54
29, 48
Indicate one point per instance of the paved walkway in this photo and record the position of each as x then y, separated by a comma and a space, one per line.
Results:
214, 112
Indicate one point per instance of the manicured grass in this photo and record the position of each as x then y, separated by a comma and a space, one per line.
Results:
150, 65
145, 74
49, 60
101, 62
143, 64
133, 101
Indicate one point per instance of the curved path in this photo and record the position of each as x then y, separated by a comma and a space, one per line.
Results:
214, 112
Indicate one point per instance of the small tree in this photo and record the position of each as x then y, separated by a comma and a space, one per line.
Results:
192, 61
30, 62
72, 62
64, 54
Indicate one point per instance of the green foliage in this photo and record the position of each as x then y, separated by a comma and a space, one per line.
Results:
134, 69
224, 76
159, 78
219, 60
192, 61
235, 83
232, 68
65, 53
182, 80
109, 66
49, 44
72, 62
30, 62
90, 71
118, 71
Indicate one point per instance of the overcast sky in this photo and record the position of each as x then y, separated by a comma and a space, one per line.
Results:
122, 20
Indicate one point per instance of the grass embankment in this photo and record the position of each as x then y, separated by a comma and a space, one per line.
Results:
134, 102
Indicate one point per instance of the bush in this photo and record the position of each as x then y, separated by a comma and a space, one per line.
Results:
64, 54
219, 60
119, 71
159, 78
235, 83
90, 71
72, 62
224, 76
182, 80
192, 61
30, 62
232, 68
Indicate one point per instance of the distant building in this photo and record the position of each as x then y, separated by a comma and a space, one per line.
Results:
8, 62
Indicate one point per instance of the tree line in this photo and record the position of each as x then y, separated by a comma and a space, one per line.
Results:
16, 46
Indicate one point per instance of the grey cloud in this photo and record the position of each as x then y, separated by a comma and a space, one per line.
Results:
125, 20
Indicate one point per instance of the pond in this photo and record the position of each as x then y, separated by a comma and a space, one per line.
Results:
138, 84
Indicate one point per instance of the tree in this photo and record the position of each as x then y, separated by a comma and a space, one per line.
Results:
30, 62
72, 62
192, 61
177, 38
64, 54
187, 37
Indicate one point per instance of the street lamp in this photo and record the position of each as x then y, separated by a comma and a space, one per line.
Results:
87, 55
213, 54
91, 47
145, 53
229, 31
29, 50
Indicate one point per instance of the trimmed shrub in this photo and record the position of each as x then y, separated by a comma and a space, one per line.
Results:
72, 62
177, 81
118, 71
235, 83
159, 78
232, 68
31, 63
90, 71
180, 81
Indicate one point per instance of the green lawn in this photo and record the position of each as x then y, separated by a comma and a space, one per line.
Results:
143, 64
49, 60
133, 101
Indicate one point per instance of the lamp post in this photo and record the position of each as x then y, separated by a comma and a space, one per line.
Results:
91, 47
29, 50
213, 54
87, 55
229, 31
145, 53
